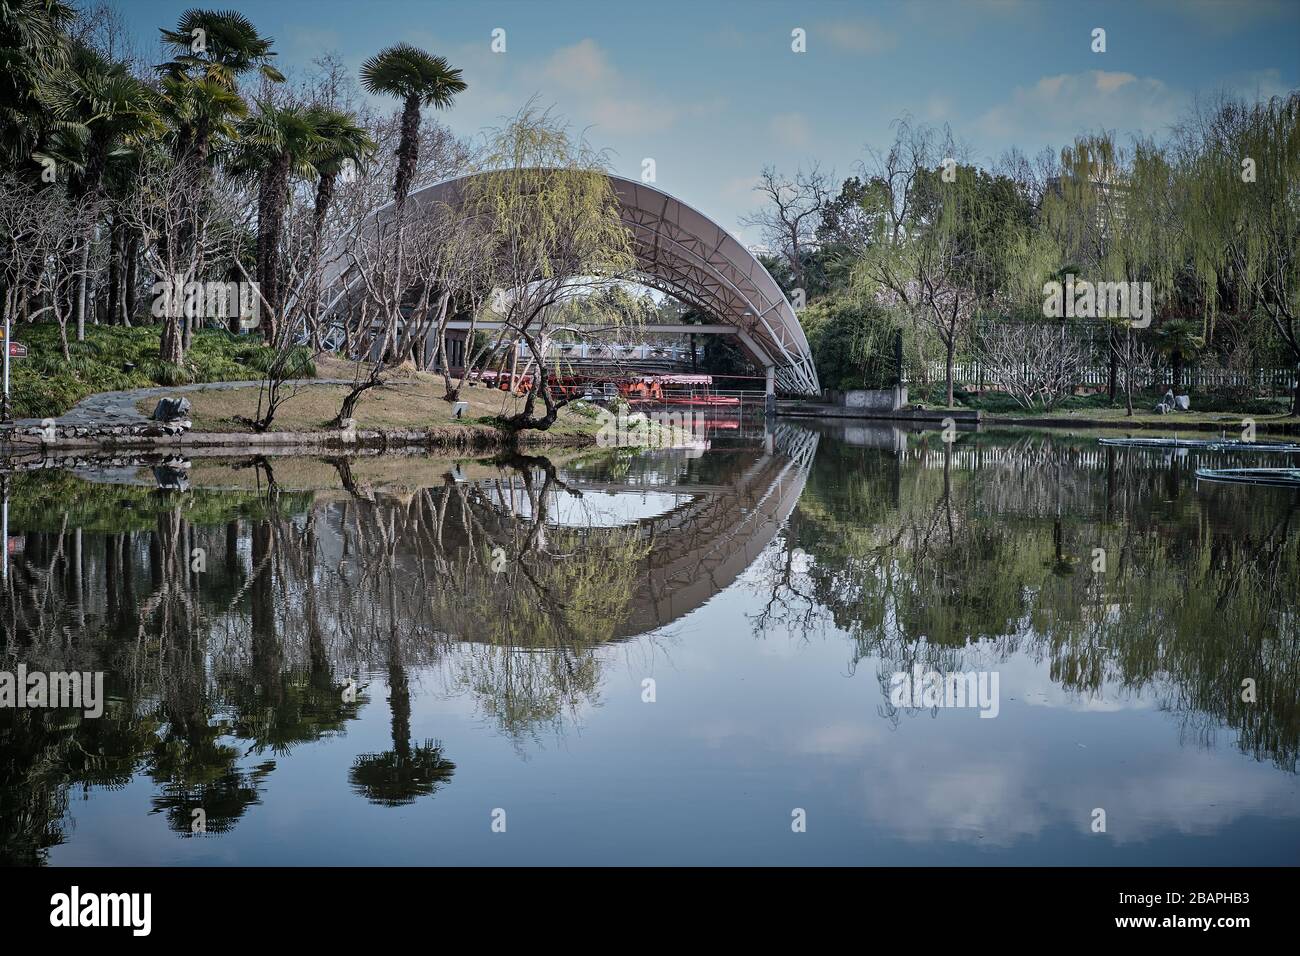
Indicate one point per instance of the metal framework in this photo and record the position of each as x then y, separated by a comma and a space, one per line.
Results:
684, 253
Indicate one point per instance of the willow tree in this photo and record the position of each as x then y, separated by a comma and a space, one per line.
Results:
944, 237
1239, 165
1113, 213
555, 232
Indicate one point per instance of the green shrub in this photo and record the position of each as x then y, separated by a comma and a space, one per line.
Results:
852, 343
113, 358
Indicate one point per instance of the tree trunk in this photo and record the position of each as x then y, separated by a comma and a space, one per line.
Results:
408, 151
270, 228
170, 346
132, 276
114, 270
79, 306
1112, 375
951, 346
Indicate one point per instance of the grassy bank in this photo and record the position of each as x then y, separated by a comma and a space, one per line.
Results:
1208, 412
114, 358
409, 400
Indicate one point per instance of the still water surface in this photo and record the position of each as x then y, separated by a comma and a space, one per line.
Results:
659, 657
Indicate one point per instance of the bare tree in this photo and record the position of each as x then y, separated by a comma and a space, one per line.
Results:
395, 296
1129, 354
163, 209
1037, 365
791, 214
43, 262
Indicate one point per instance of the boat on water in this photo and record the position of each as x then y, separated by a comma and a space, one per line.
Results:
1233, 444
1281, 477
696, 390
1159, 442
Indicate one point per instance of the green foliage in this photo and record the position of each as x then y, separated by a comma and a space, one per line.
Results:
406, 71
114, 358
852, 342
45, 500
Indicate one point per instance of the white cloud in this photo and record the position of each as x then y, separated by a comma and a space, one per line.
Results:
1258, 84
582, 67
1057, 108
856, 36
791, 129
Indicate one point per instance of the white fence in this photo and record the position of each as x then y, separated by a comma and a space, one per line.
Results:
1275, 381
595, 351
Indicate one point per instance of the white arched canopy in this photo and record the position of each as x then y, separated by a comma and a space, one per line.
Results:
684, 253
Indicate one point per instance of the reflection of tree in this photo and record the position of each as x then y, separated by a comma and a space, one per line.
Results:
396, 777
918, 557
215, 676
142, 613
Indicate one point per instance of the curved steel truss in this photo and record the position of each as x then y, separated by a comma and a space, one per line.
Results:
684, 253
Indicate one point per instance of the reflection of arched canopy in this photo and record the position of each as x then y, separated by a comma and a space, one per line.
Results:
704, 543
682, 252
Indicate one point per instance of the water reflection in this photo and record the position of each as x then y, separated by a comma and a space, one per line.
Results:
247, 611
236, 626
1101, 560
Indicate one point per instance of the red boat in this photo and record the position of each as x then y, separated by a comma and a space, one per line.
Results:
695, 390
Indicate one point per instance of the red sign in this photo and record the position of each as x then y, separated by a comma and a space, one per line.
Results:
16, 544
17, 350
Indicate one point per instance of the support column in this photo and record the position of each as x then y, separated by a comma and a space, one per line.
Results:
770, 396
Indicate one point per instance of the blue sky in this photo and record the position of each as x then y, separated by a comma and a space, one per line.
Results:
712, 91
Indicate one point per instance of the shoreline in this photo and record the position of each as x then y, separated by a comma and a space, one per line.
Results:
437, 438
966, 417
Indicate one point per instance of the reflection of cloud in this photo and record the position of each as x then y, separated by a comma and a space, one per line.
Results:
998, 796
842, 740
1029, 775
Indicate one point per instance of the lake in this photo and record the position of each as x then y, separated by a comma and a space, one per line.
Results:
812, 645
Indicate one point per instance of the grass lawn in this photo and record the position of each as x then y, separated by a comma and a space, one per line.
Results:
1174, 420
409, 400
388, 472
1215, 413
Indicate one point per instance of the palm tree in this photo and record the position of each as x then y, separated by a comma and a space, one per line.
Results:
33, 49
213, 48
341, 143
274, 143
418, 79
200, 112
105, 110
